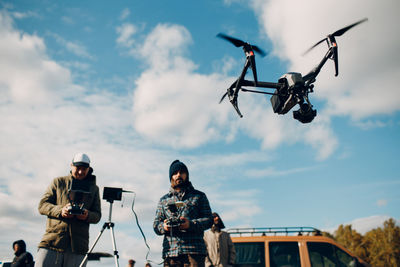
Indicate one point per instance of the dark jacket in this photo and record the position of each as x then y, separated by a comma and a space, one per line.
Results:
68, 234
197, 210
22, 257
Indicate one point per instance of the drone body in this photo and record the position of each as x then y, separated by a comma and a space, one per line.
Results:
292, 88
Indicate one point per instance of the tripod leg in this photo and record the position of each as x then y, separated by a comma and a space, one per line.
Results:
94, 244
114, 246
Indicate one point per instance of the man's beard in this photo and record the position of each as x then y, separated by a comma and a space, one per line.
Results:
182, 184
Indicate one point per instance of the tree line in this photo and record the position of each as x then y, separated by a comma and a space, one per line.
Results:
380, 247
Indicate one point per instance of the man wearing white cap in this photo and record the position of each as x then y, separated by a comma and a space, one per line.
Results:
66, 239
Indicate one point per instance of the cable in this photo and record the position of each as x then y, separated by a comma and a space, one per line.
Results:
141, 231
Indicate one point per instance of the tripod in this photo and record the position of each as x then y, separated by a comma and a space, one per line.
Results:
109, 225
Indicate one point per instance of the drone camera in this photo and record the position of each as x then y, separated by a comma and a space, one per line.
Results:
283, 99
305, 114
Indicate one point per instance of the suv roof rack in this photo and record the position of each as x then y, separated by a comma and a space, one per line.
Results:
274, 230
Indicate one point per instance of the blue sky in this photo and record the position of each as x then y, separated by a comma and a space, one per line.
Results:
136, 85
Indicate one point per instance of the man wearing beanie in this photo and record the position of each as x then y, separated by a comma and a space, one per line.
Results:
66, 239
182, 216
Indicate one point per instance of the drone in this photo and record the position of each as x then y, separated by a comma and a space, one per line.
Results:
292, 88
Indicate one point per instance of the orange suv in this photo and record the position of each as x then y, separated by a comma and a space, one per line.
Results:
289, 247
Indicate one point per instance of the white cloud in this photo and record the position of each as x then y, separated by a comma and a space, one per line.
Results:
368, 57
23, 15
321, 138
268, 172
74, 47
24, 56
68, 20
171, 102
363, 225
226, 65
125, 14
165, 47
125, 33
273, 130
371, 124
239, 208
77, 49
381, 202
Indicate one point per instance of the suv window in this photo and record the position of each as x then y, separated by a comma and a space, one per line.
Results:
284, 254
344, 258
327, 255
250, 254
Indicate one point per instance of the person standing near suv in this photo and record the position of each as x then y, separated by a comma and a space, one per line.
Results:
66, 239
220, 249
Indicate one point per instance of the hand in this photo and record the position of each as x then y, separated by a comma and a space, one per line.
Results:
65, 211
185, 225
165, 226
83, 216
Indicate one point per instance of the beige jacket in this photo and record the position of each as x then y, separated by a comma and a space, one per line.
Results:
61, 233
220, 249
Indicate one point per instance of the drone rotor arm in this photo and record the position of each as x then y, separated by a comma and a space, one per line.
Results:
254, 69
335, 59
333, 49
258, 92
262, 84
238, 82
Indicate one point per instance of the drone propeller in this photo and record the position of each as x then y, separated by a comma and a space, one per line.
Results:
345, 29
333, 49
240, 43
249, 52
337, 33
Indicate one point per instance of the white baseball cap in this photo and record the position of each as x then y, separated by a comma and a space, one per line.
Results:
81, 159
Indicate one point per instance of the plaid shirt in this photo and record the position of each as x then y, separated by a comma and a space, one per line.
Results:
197, 210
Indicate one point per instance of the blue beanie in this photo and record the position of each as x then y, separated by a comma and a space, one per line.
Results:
176, 166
